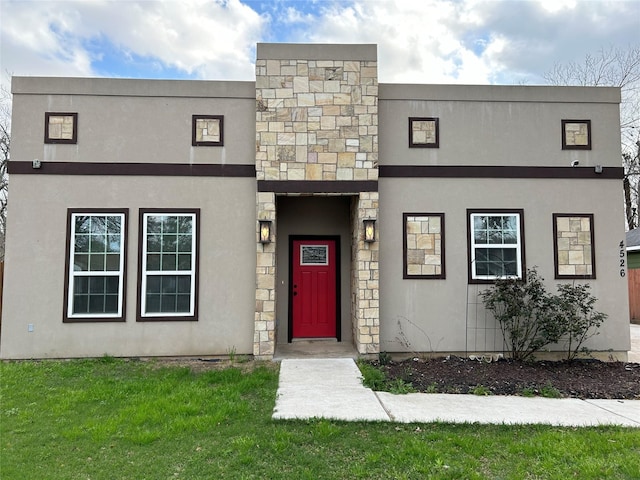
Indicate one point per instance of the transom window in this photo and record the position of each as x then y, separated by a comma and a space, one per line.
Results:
495, 244
169, 250
95, 265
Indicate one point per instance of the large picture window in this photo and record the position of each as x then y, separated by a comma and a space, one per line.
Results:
496, 245
168, 261
95, 265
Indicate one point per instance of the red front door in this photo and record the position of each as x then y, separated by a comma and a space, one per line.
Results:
313, 288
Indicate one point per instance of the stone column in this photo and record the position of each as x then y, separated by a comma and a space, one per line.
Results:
365, 277
264, 340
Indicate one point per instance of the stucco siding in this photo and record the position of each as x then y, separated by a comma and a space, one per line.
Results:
434, 314
132, 127
523, 131
35, 266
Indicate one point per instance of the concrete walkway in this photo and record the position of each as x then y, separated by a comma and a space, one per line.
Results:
332, 389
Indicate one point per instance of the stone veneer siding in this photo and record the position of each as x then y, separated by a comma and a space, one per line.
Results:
365, 277
265, 315
317, 120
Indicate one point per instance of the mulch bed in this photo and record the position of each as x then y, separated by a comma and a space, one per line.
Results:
580, 378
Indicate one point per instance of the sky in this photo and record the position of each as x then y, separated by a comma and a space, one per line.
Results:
419, 41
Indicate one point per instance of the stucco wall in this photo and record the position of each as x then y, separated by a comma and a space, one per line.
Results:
35, 263
499, 125
438, 309
142, 121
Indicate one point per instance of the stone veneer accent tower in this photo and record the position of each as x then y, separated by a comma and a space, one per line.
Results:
317, 133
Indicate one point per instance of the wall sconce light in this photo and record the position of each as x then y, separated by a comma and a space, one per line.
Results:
369, 230
265, 231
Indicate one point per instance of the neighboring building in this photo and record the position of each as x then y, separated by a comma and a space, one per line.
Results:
153, 217
633, 265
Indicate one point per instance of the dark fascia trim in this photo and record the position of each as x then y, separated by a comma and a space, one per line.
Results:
65, 313
143, 169
186, 318
557, 275
312, 186
336, 240
523, 256
405, 274
494, 171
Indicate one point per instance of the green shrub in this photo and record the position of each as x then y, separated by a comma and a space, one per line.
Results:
480, 390
579, 319
372, 377
530, 318
550, 391
399, 386
525, 312
384, 358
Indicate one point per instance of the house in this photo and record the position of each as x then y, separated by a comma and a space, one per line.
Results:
633, 265
154, 217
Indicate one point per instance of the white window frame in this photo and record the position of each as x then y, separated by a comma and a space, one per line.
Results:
515, 246
143, 314
73, 274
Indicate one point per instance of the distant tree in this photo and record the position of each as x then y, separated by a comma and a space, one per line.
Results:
614, 67
5, 143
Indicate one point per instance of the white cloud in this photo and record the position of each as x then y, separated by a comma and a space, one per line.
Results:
212, 39
437, 41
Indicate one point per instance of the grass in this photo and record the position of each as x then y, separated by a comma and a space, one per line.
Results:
115, 419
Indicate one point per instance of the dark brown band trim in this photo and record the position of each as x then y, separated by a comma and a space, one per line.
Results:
312, 186
482, 171
151, 169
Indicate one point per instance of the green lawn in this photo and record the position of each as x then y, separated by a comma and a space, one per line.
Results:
115, 419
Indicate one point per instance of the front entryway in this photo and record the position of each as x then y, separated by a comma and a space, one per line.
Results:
314, 307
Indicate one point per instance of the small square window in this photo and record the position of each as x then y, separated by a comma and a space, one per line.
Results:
207, 131
573, 246
423, 243
576, 134
424, 132
60, 127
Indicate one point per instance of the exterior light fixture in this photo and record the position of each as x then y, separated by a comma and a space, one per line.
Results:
369, 230
265, 231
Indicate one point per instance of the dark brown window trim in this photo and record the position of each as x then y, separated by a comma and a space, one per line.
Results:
146, 169
65, 312
186, 318
48, 139
436, 144
557, 274
313, 186
405, 274
576, 147
494, 171
195, 142
519, 211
